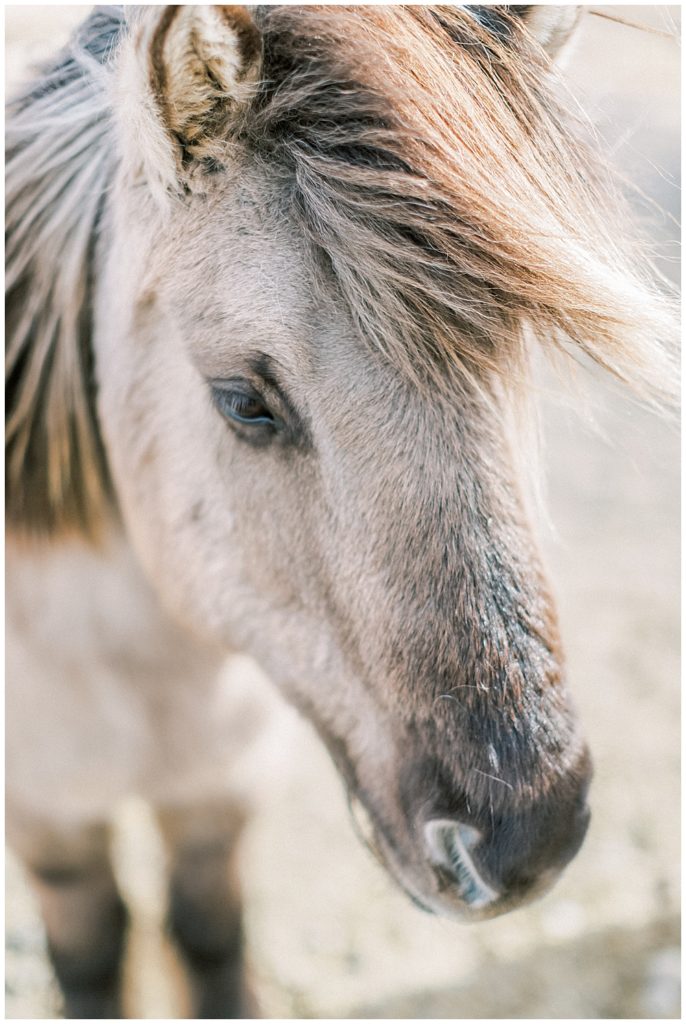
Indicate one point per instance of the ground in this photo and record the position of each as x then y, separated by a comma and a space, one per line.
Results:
328, 934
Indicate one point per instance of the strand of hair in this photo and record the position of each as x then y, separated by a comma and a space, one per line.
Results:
641, 26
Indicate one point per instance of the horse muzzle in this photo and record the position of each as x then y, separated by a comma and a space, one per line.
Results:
462, 861
478, 865
481, 870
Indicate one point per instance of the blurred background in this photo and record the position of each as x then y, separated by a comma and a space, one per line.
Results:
328, 935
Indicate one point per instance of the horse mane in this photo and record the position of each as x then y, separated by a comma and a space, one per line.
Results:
59, 164
451, 193
428, 161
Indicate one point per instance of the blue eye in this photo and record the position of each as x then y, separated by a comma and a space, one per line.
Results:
241, 406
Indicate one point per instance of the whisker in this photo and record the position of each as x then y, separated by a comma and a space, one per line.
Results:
494, 777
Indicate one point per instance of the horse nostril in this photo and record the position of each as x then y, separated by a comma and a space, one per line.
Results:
450, 844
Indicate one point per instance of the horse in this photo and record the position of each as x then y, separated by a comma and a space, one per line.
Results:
276, 278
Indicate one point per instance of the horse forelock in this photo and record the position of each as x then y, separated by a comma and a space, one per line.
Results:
459, 210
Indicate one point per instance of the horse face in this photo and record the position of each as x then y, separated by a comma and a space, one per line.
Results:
295, 494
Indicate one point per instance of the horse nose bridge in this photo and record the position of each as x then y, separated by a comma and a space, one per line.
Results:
473, 587
458, 579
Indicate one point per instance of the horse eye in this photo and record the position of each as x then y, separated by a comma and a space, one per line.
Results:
241, 406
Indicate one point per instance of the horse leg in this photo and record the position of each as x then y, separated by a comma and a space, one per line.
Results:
85, 917
205, 916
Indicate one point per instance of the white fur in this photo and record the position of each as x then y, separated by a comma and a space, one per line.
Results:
107, 696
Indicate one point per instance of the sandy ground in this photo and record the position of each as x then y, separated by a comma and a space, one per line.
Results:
328, 935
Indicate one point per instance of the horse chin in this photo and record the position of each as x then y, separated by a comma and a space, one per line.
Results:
421, 888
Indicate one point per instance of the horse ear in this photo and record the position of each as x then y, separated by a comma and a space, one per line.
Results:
550, 25
199, 64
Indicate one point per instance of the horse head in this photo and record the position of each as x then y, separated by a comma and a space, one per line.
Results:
331, 238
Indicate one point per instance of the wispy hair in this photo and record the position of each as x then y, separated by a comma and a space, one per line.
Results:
59, 163
435, 165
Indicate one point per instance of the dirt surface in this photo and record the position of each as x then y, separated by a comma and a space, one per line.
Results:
328, 935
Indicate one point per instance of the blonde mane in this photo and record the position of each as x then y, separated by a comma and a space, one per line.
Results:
59, 163
451, 192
